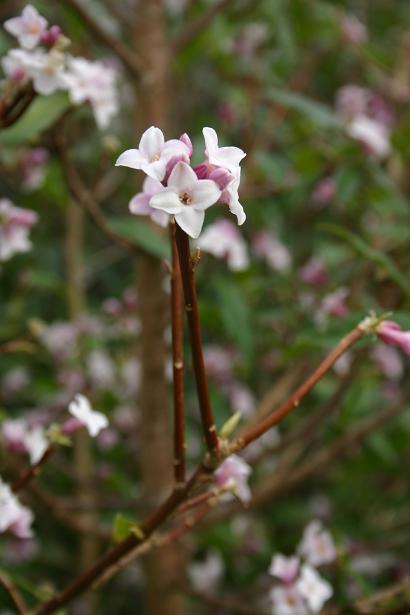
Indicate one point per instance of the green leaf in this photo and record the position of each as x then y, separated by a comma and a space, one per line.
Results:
143, 235
235, 314
230, 425
124, 526
370, 253
41, 114
317, 112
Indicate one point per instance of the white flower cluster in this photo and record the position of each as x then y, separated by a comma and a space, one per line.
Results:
22, 437
302, 590
15, 224
14, 517
174, 188
42, 60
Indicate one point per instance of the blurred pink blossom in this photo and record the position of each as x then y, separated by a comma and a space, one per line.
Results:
317, 546
389, 361
274, 252
284, 568
353, 30
391, 333
223, 240
314, 272
324, 192
233, 474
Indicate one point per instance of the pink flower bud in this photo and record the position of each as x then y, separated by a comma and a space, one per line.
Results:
70, 426
314, 272
51, 36
18, 75
170, 166
325, 191
222, 177
390, 333
202, 170
187, 141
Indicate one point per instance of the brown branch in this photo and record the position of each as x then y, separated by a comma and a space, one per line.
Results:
177, 363
12, 591
12, 108
198, 25
129, 59
391, 600
295, 399
85, 199
30, 473
191, 307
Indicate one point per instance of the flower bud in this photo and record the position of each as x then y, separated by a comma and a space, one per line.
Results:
202, 170
221, 177
51, 36
187, 141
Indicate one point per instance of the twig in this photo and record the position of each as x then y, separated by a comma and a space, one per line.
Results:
85, 199
11, 589
295, 399
191, 308
198, 25
177, 363
130, 60
33, 471
12, 109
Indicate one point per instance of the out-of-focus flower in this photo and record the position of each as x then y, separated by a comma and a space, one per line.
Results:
314, 272
101, 369
23, 438
14, 381
334, 304
219, 363
287, 600
59, 338
315, 590
14, 64
186, 197
324, 191
14, 517
223, 240
95, 83
317, 546
33, 167
139, 204
241, 399
252, 36
284, 568
391, 333
373, 135
46, 69
389, 361
234, 474
153, 153
353, 30
352, 101
271, 250
206, 574
15, 224
27, 28
93, 421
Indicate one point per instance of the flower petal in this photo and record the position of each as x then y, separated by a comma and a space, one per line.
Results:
139, 204
204, 194
190, 220
131, 158
167, 201
152, 142
182, 177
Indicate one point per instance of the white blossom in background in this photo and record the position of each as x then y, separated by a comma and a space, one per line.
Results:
205, 575
80, 408
284, 568
287, 600
186, 197
46, 70
154, 153
315, 590
274, 252
234, 474
15, 64
15, 225
93, 83
317, 546
101, 369
389, 361
223, 240
21, 437
373, 135
14, 517
139, 204
28, 28
241, 399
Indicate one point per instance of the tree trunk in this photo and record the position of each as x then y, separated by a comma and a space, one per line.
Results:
163, 568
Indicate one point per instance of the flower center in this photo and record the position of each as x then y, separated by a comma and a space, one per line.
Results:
185, 198
155, 158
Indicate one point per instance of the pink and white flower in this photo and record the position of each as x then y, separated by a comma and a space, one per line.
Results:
223, 240
140, 203
228, 158
23, 438
373, 135
287, 600
317, 546
233, 474
314, 272
94, 83
46, 70
205, 575
80, 408
28, 27
391, 333
15, 224
389, 361
15, 63
284, 568
334, 304
14, 517
314, 589
186, 197
274, 252
154, 153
